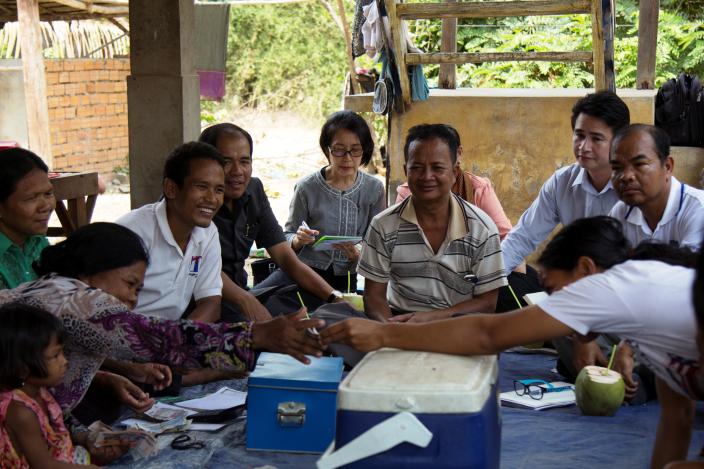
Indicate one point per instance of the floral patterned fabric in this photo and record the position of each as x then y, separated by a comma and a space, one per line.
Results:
57, 439
99, 326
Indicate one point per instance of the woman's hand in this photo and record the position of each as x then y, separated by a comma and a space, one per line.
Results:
349, 250
304, 236
103, 455
623, 363
156, 374
126, 391
289, 334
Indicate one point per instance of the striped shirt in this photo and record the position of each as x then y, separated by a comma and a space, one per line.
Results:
469, 262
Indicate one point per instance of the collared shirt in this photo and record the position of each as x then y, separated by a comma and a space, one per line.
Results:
16, 262
682, 221
649, 304
252, 220
468, 263
566, 196
173, 276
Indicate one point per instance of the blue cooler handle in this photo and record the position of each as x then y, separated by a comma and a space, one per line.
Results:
401, 428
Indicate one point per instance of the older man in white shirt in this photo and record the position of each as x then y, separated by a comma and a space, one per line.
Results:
654, 205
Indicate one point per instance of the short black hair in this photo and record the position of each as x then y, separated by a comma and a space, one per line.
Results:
347, 120
604, 105
599, 238
661, 141
93, 249
668, 253
16, 163
178, 163
444, 132
25, 333
212, 134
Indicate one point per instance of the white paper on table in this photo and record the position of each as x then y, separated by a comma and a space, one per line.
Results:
535, 298
206, 427
223, 398
164, 412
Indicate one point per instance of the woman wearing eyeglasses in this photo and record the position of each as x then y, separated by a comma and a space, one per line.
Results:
337, 200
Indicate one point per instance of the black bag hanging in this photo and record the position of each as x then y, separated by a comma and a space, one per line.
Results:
679, 110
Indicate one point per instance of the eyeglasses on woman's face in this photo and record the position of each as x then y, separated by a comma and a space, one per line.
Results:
341, 152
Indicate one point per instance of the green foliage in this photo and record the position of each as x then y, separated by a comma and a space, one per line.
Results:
286, 56
680, 47
293, 55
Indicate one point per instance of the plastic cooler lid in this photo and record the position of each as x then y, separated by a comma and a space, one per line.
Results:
393, 380
283, 371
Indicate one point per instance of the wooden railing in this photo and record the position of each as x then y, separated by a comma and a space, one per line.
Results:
601, 55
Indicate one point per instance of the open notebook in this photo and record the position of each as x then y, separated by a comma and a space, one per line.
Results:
549, 400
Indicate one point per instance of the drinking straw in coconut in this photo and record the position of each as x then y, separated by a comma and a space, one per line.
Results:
611, 360
514, 296
302, 303
348, 282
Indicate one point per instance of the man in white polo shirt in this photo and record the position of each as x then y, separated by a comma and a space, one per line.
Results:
433, 255
183, 244
654, 205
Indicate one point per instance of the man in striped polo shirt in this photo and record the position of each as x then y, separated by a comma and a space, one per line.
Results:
433, 255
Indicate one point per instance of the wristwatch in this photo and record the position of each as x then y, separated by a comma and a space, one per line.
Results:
335, 295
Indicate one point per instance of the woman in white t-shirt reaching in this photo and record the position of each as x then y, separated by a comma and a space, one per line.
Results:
596, 288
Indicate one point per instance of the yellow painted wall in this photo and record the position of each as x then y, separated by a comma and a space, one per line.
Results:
515, 137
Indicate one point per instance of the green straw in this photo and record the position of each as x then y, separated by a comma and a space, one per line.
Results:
302, 303
611, 360
514, 296
348, 282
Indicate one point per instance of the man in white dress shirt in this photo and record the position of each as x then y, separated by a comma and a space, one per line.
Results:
580, 190
654, 205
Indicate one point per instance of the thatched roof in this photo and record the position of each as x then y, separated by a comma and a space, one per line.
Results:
68, 9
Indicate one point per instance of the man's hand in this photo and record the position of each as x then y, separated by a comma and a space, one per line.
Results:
623, 363
363, 334
128, 393
252, 308
587, 353
156, 374
289, 334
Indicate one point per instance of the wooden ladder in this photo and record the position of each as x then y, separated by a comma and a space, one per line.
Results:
602, 54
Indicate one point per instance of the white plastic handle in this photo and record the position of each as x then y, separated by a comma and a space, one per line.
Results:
401, 428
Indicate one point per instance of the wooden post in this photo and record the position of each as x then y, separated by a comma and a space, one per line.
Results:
598, 46
609, 25
448, 72
348, 46
36, 103
399, 50
647, 43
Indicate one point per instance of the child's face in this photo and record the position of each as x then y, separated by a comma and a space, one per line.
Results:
55, 363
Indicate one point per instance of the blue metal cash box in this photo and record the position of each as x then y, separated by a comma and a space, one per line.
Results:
401, 410
291, 406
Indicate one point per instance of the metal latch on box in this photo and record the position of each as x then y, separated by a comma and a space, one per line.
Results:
291, 414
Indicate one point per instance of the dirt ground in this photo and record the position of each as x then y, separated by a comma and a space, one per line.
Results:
285, 149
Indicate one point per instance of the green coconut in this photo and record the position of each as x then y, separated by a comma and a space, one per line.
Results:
355, 300
599, 391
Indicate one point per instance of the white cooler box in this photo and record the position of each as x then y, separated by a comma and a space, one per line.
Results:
400, 409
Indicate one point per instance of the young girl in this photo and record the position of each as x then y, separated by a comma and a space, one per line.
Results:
32, 430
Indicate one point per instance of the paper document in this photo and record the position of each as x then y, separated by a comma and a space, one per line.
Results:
535, 298
325, 243
223, 398
549, 400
